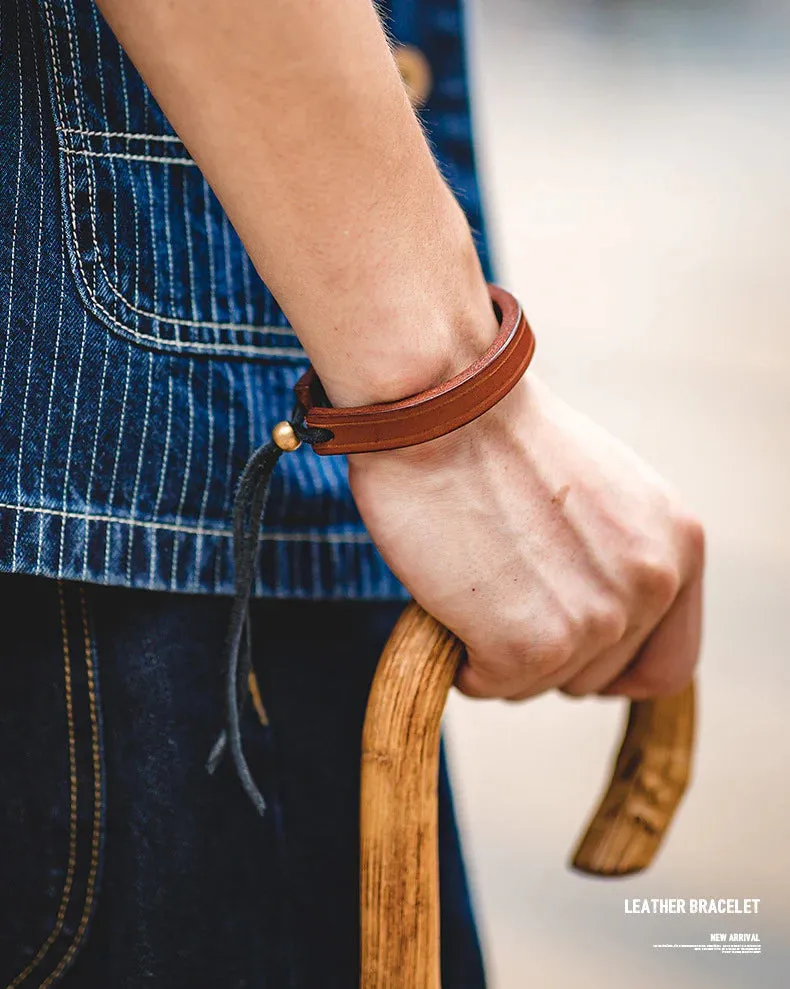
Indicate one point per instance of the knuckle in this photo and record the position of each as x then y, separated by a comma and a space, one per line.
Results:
543, 663
552, 649
664, 581
655, 575
693, 533
561, 641
607, 621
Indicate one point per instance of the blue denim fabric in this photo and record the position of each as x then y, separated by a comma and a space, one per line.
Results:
124, 863
142, 359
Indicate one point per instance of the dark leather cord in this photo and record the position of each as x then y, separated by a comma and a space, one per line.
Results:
364, 429
248, 510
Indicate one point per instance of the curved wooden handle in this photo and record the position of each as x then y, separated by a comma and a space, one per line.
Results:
649, 778
399, 890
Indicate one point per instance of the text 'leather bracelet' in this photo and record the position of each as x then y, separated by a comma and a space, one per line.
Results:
432, 413
363, 429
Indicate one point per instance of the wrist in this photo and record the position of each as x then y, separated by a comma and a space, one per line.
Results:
428, 414
422, 325
503, 430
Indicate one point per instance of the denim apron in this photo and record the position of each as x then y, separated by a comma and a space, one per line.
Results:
142, 359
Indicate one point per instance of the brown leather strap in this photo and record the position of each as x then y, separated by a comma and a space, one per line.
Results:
432, 413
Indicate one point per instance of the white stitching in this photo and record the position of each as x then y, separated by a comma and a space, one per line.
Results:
208, 474
133, 307
233, 307
231, 436
169, 241
187, 467
212, 275
32, 341
110, 133
105, 364
178, 344
128, 157
117, 455
72, 431
154, 244
163, 469
89, 489
259, 417
14, 241
358, 538
143, 450
245, 275
53, 379
188, 239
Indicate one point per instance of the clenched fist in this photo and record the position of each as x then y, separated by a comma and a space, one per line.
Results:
549, 548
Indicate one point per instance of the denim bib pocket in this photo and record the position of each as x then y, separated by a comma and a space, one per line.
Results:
153, 253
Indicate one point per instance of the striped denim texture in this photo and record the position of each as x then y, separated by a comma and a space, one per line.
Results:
142, 359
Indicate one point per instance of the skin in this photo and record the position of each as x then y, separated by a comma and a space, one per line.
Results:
558, 557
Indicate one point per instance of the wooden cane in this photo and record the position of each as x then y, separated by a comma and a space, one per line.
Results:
399, 892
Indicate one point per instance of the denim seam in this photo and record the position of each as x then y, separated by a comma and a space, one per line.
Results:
351, 538
149, 339
92, 197
90, 894
82, 132
255, 697
68, 883
157, 159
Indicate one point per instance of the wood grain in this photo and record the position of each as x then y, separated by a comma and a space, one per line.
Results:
650, 776
400, 766
399, 891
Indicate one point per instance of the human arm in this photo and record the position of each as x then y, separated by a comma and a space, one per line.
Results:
296, 114
552, 552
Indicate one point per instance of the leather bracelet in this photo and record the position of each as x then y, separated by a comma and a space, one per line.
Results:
364, 429
432, 413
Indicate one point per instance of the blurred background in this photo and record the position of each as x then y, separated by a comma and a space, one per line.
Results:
635, 157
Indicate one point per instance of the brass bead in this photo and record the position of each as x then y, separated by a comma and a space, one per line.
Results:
284, 436
415, 73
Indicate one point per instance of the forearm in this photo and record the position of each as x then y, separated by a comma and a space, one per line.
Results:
295, 112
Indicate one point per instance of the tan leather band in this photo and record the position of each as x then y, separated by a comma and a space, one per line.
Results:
432, 413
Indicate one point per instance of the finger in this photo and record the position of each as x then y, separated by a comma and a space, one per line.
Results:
531, 670
475, 680
610, 663
603, 637
628, 654
587, 674
602, 651
666, 662
572, 669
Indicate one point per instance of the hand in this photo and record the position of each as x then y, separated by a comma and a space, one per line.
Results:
558, 557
